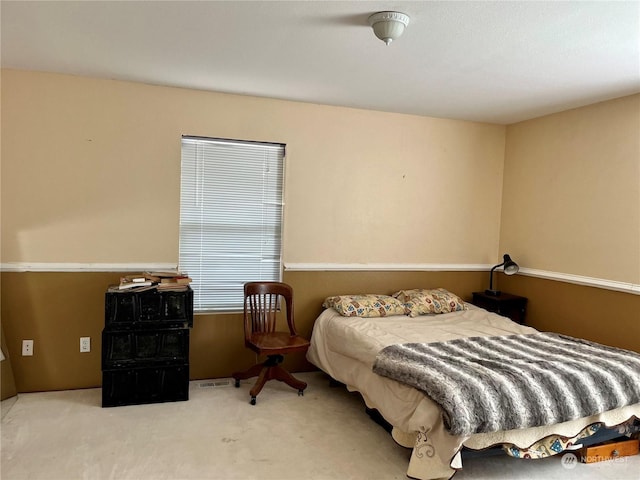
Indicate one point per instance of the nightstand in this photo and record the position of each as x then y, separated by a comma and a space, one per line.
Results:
505, 304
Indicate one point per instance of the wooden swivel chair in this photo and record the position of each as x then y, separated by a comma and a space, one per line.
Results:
261, 302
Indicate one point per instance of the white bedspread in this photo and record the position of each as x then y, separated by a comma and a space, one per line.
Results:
346, 348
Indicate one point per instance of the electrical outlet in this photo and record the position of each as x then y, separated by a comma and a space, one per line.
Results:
85, 344
27, 348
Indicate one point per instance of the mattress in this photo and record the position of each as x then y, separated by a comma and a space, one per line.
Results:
346, 348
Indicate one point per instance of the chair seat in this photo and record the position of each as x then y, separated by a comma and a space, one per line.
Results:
277, 342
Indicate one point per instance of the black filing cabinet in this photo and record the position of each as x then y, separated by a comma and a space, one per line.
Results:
145, 346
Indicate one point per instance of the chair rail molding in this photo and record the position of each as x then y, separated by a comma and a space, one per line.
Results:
607, 284
391, 267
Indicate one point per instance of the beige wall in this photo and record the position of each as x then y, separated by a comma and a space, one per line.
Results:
91, 171
571, 201
90, 174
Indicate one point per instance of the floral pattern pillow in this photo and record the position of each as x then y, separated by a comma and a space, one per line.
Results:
429, 302
367, 305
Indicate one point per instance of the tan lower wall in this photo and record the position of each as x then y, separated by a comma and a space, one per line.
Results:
56, 309
7, 381
596, 314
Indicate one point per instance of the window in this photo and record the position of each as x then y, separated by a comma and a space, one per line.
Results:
231, 202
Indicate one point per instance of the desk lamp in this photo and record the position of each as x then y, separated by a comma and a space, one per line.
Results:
509, 267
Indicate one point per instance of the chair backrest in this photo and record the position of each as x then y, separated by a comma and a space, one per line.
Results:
261, 302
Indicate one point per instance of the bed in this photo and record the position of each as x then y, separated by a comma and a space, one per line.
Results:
347, 348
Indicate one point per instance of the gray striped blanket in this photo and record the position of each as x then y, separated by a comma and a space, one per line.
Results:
486, 384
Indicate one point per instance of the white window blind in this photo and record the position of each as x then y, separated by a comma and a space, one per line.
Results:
231, 202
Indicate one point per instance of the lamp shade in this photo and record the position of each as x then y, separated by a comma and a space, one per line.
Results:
509, 266
388, 26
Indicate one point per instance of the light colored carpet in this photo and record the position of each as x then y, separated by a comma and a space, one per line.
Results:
217, 435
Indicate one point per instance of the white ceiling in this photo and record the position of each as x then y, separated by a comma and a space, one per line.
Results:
499, 62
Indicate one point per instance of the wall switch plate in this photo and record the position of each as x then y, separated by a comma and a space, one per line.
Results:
27, 348
85, 344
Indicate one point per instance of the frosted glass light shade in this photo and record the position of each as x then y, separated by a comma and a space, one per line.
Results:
388, 25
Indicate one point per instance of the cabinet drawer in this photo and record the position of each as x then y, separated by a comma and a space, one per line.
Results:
609, 451
148, 309
145, 385
144, 347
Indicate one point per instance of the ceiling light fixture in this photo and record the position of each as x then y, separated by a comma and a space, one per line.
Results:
388, 25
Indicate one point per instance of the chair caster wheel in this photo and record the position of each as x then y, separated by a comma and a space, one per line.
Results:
253, 401
300, 393
237, 383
